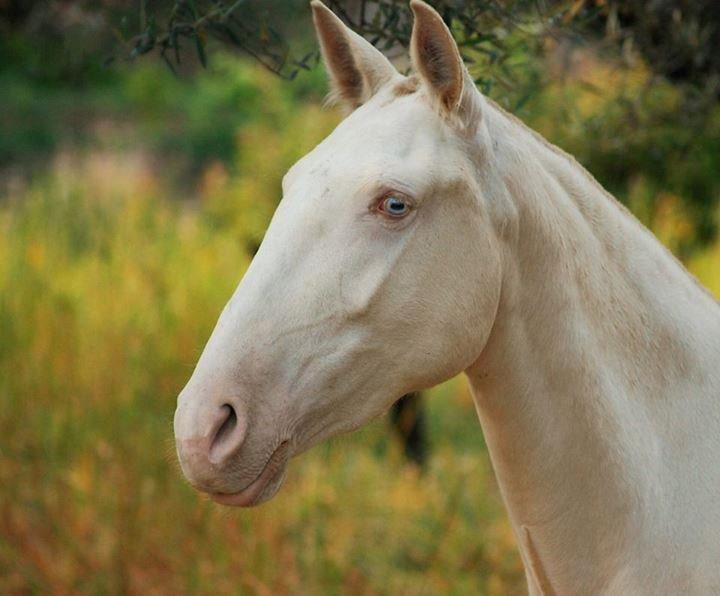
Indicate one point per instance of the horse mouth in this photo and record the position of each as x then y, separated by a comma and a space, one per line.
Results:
265, 485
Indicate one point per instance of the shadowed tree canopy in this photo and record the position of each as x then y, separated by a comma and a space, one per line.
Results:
678, 38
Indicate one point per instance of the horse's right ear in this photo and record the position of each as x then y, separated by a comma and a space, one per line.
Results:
356, 68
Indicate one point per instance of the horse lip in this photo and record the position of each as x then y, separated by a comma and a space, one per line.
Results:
252, 494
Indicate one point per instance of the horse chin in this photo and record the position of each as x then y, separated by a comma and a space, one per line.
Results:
264, 487
252, 498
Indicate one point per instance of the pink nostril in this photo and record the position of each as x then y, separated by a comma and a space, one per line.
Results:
229, 436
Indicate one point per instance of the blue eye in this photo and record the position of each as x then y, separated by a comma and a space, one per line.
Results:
395, 206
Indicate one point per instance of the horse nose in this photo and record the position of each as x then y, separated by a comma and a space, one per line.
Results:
207, 438
229, 436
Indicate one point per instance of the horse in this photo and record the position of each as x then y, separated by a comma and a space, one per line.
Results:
431, 234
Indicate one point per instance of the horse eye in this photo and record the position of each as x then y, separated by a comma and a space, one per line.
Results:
394, 206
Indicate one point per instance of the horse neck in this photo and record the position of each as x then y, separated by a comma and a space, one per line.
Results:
600, 339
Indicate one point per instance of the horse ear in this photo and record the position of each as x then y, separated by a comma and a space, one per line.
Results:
437, 59
357, 69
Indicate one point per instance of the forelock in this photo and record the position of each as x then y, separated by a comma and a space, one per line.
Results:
407, 86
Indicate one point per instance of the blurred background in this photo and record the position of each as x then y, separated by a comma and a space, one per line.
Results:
142, 146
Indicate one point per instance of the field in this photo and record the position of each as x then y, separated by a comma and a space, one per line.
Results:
112, 275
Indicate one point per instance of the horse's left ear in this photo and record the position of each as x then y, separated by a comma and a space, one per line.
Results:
437, 59
356, 68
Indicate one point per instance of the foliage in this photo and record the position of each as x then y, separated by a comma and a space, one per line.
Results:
188, 121
198, 119
638, 139
252, 26
678, 38
257, 29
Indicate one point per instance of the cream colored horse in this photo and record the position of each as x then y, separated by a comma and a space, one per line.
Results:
432, 233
